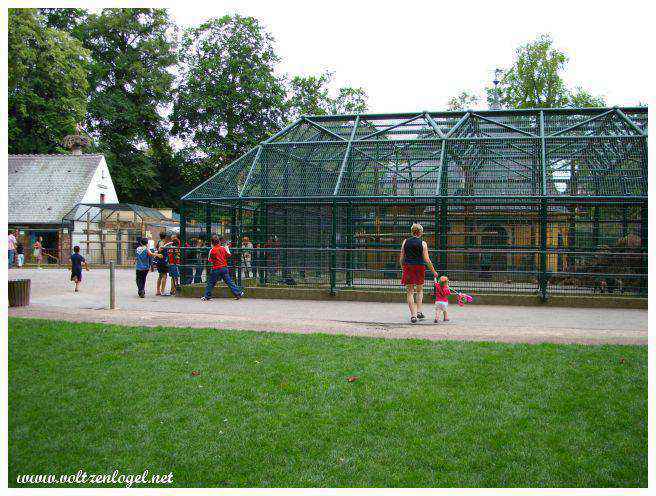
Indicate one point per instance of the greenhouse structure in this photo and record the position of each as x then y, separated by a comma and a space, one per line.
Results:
535, 201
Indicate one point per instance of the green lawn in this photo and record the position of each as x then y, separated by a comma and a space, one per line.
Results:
277, 410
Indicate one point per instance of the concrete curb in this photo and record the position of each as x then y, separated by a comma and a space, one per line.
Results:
321, 294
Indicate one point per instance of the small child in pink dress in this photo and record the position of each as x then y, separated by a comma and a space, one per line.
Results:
442, 292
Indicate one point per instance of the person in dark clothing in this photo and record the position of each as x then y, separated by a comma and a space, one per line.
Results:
77, 261
413, 259
20, 254
162, 263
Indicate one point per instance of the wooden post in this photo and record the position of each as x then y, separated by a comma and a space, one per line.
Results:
88, 234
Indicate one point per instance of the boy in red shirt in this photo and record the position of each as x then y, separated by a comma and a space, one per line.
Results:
442, 291
218, 259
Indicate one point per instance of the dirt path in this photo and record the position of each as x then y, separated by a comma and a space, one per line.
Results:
53, 298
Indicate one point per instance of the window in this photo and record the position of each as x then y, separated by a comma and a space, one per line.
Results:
102, 197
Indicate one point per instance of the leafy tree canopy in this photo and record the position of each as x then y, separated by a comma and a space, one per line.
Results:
230, 96
47, 84
133, 55
463, 101
64, 19
533, 81
311, 95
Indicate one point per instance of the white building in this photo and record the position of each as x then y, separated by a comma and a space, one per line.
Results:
44, 188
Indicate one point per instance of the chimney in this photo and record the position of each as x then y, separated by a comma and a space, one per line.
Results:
76, 142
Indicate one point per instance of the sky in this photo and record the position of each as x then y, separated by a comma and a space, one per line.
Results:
414, 55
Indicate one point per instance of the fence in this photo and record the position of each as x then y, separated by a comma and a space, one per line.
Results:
582, 250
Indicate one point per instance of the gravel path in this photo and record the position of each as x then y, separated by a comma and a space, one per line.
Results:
53, 298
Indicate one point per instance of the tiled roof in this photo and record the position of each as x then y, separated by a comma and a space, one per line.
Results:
43, 188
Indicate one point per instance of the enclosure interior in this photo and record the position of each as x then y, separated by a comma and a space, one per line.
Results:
109, 231
546, 201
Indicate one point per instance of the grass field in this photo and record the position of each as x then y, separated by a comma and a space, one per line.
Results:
229, 408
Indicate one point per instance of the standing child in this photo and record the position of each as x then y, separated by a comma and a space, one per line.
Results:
77, 261
38, 251
144, 259
20, 254
247, 256
442, 291
174, 262
162, 263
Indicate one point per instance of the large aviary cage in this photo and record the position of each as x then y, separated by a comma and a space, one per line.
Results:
542, 201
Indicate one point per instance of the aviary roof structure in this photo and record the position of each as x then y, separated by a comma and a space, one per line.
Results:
95, 210
500, 154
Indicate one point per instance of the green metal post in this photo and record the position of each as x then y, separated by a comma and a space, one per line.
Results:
443, 259
349, 244
264, 255
208, 221
235, 220
543, 250
183, 225
595, 226
543, 280
438, 237
184, 254
644, 246
333, 252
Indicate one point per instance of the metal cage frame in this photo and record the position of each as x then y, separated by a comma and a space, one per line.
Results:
551, 162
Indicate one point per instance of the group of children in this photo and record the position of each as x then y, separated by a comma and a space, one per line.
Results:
165, 258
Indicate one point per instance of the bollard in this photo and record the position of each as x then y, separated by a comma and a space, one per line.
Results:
112, 285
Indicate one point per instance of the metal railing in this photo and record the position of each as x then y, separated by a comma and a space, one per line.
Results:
511, 271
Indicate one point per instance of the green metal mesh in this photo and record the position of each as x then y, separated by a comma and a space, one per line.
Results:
588, 152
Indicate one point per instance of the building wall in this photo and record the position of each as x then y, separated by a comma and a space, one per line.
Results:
101, 182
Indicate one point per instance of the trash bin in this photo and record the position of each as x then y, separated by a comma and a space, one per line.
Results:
19, 292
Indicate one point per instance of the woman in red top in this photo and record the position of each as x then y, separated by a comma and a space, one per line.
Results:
413, 259
218, 259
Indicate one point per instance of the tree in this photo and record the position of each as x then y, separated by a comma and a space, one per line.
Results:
229, 97
133, 53
349, 101
63, 19
535, 81
311, 95
463, 101
583, 98
47, 84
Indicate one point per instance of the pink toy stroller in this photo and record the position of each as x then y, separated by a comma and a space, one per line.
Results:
464, 298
